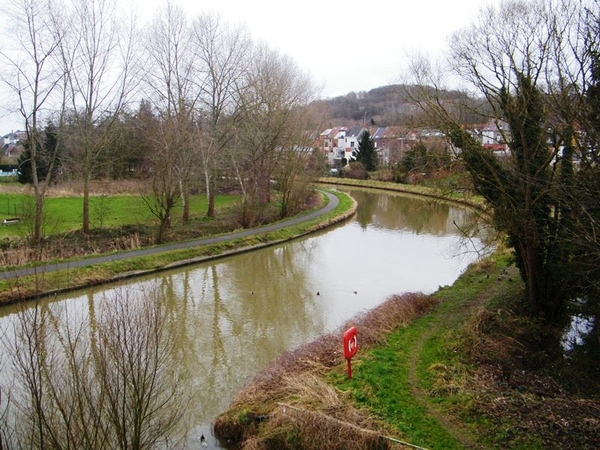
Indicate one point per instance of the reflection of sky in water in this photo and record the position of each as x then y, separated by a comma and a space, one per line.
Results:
381, 264
579, 328
233, 316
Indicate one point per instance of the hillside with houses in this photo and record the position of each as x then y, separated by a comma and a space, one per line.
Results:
394, 105
392, 143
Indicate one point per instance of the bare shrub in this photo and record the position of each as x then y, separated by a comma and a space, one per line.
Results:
355, 170
397, 311
16, 256
101, 209
101, 378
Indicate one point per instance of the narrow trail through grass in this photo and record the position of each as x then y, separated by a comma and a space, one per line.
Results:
426, 350
435, 326
415, 381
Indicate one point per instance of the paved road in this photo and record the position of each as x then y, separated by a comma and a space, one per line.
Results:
333, 202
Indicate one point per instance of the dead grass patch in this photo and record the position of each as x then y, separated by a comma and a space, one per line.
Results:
99, 187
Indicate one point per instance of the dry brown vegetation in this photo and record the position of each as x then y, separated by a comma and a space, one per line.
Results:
75, 188
523, 382
289, 405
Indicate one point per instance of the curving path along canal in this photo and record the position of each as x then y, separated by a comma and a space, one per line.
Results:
17, 273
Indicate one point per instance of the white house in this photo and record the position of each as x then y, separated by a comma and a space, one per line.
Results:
494, 136
333, 141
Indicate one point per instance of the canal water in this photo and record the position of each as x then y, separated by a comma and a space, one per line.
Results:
229, 318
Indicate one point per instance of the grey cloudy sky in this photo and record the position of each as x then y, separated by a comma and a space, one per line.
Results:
345, 45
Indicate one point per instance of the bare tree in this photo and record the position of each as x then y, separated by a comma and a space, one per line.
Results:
99, 59
274, 93
165, 162
295, 170
172, 82
36, 81
133, 359
221, 52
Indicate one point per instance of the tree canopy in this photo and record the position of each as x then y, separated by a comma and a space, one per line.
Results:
540, 195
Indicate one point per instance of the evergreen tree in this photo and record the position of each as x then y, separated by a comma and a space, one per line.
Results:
592, 112
581, 190
365, 153
46, 150
415, 158
520, 193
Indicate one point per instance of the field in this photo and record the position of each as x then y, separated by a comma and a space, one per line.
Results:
63, 209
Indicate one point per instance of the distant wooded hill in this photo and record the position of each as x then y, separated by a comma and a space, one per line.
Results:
387, 106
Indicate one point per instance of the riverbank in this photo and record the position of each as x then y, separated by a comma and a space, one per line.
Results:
62, 276
462, 368
465, 197
450, 371
19, 283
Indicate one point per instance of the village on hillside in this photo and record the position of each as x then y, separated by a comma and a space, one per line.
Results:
393, 143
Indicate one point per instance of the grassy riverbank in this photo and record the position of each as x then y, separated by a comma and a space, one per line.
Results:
448, 371
464, 197
73, 278
463, 368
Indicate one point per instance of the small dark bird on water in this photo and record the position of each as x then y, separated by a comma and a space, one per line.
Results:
318, 293
203, 441
355, 292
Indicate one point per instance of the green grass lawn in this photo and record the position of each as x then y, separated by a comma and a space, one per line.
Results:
65, 213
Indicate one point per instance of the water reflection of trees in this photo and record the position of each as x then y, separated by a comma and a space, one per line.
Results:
404, 212
230, 319
99, 375
282, 310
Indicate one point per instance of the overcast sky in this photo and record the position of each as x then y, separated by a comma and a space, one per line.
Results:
346, 45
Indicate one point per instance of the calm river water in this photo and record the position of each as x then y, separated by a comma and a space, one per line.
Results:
231, 317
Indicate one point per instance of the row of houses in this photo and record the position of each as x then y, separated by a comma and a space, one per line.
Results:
338, 144
392, 143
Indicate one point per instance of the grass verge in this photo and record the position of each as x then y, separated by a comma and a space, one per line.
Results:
461, 197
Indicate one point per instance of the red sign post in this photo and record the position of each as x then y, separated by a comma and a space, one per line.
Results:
350, 347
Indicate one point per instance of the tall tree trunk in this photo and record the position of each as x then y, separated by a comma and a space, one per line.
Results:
185, 200
210, 196
39, 216
38, 192
86, 202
